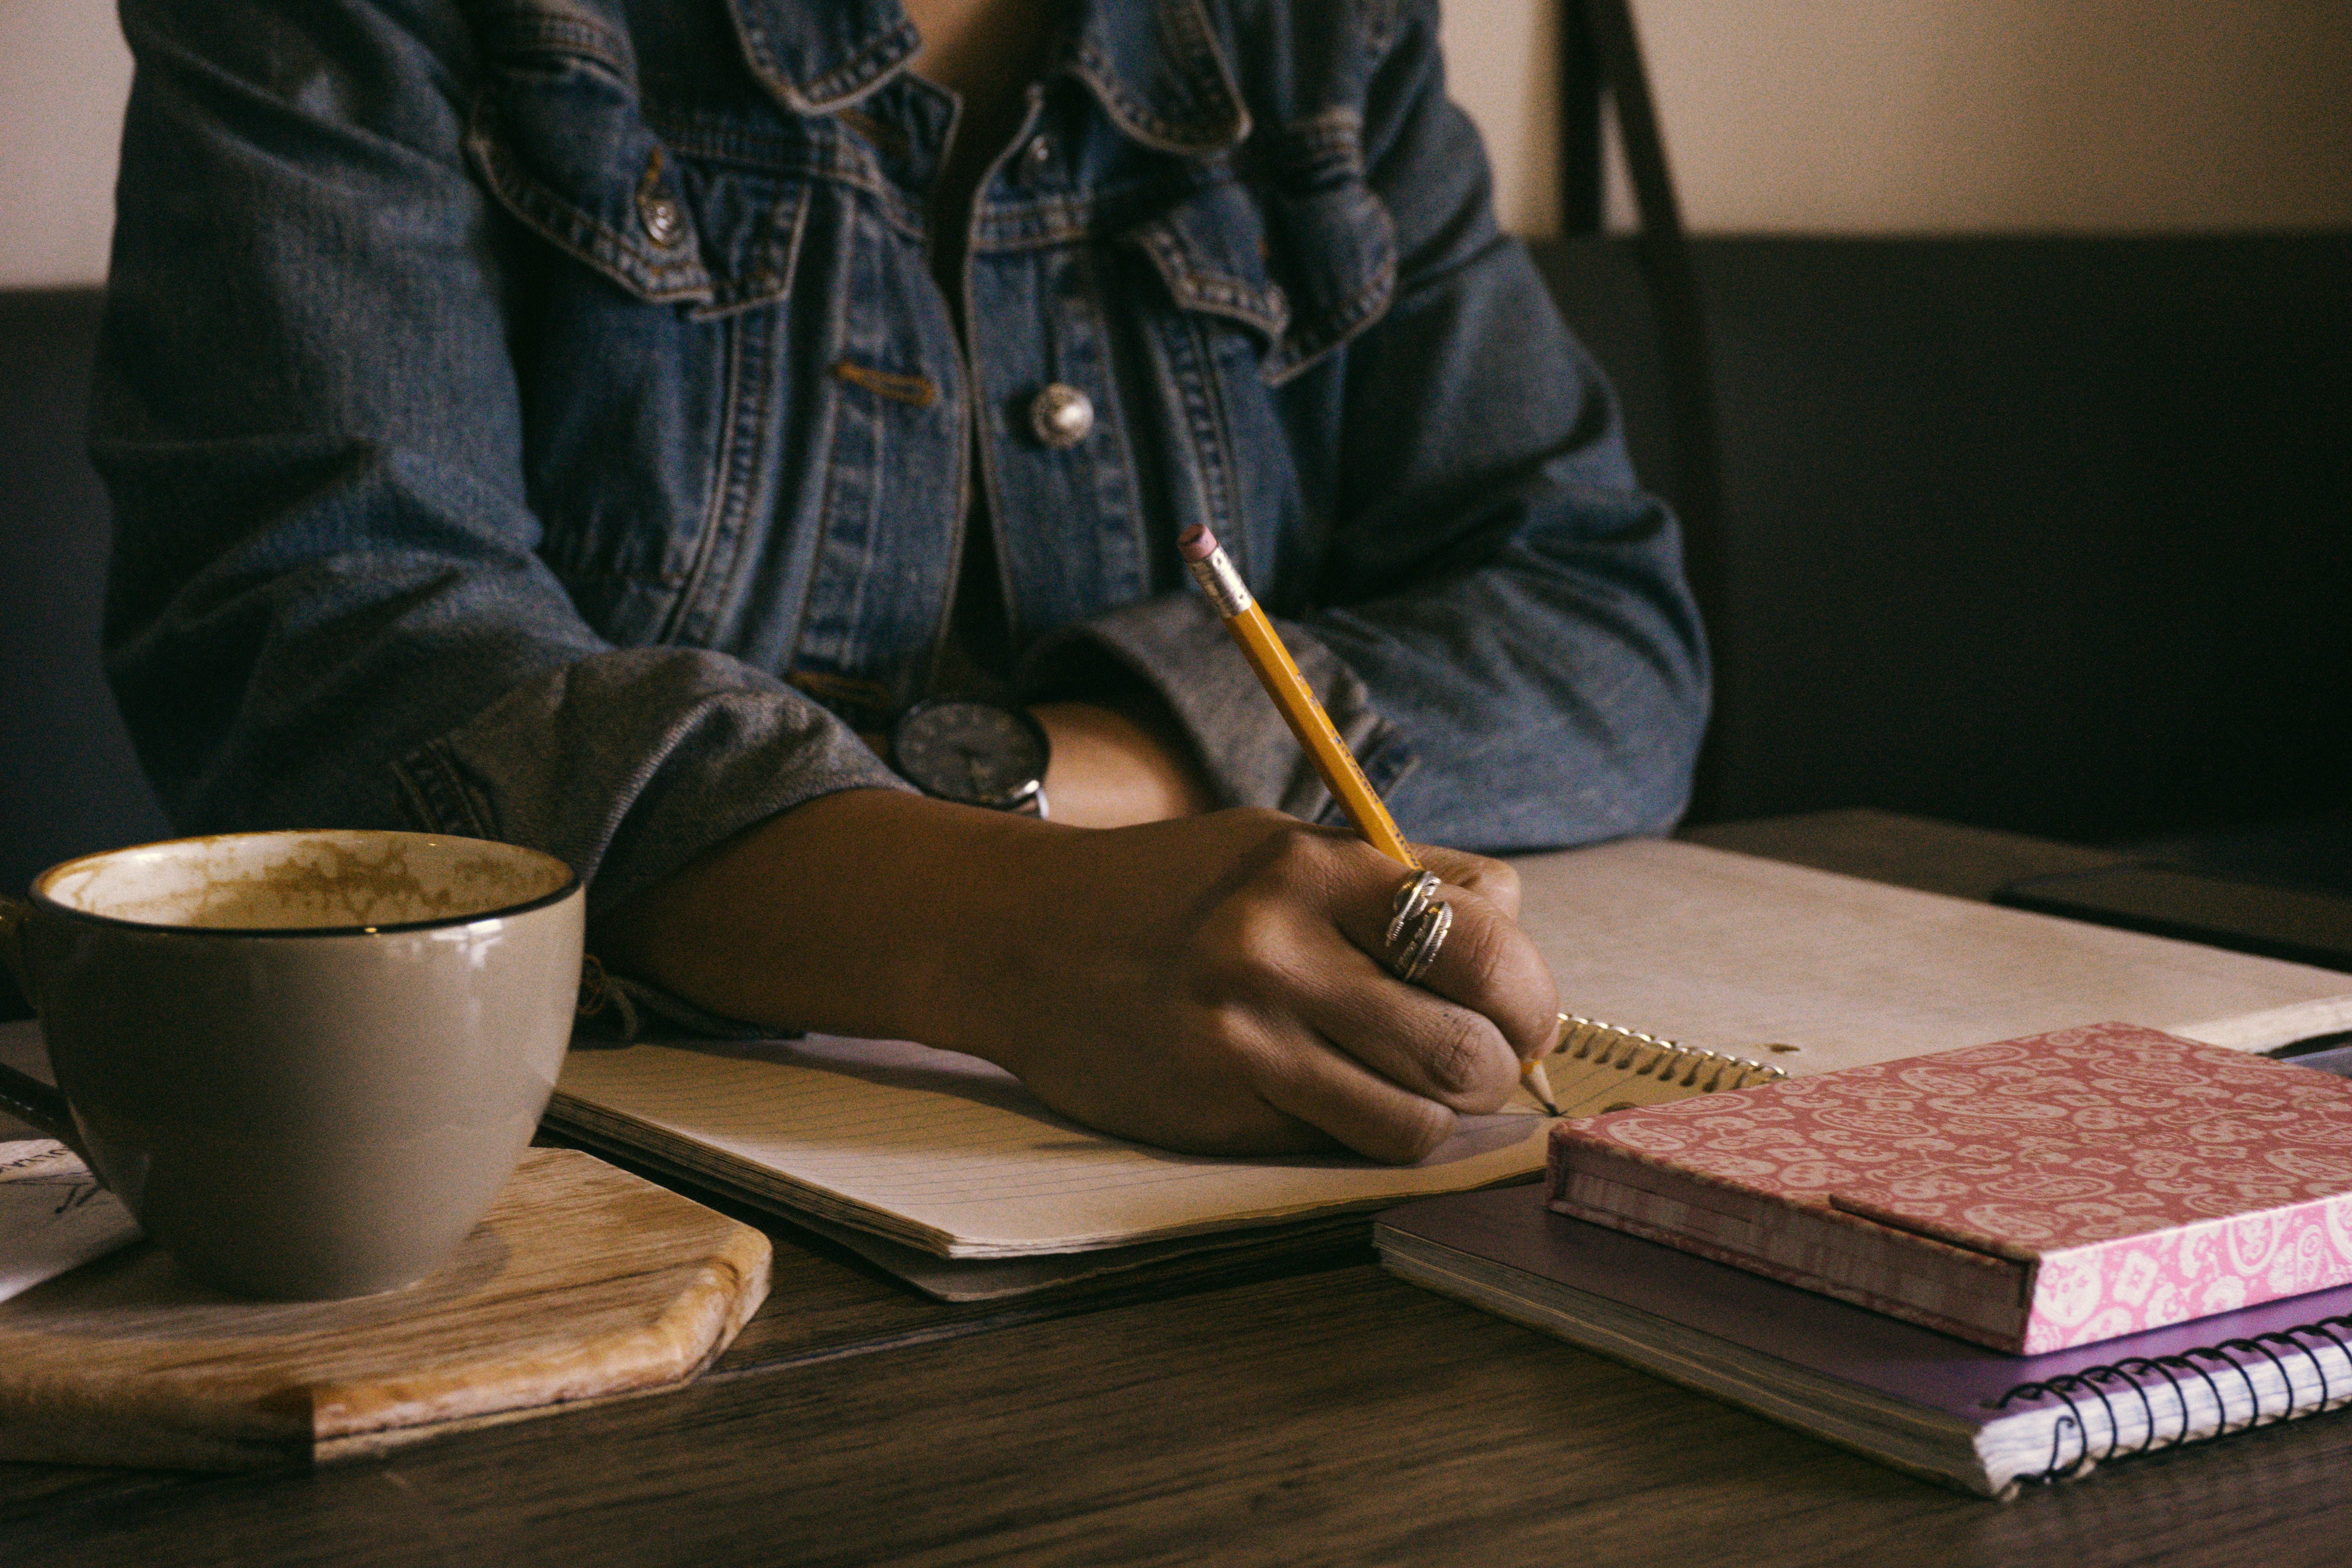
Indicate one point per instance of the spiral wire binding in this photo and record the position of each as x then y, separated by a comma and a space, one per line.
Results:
2139, 1374
1645, 1055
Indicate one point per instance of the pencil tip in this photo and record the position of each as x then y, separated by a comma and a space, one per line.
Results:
1539, 1083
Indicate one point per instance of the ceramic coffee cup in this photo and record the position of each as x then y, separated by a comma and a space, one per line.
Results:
306, 1061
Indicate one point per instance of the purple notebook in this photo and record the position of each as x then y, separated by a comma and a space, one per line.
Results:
1928, 1402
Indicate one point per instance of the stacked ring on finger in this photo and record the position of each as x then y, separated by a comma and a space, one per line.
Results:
1429, 935
1412, 896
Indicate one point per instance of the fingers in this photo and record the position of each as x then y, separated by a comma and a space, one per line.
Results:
1497, 881
1432, 1046
1486, 965
1266, 978
1366, 1111
1255, 1081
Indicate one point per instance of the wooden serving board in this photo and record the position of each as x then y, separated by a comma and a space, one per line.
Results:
582, 1284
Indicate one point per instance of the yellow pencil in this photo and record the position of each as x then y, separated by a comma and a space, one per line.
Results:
1295, 702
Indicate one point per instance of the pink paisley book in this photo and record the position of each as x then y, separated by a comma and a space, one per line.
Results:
2031, 1195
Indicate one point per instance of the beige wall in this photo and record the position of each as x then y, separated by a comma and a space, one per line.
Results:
1875, 116
64, 73
1850, 116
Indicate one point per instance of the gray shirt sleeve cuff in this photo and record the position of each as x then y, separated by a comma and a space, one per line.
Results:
629, 764
1176, 646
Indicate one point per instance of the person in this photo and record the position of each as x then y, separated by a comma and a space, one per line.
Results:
595, 424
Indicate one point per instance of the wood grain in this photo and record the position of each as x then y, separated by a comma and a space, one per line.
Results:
826, 1301
582, 1282
1345, 1419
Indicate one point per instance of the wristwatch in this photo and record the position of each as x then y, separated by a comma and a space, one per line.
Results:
970, 749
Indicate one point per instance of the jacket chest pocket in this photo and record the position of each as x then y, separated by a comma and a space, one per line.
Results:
1270, 276
561, 139
649, 390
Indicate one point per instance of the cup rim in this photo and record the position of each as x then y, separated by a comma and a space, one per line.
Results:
564, 890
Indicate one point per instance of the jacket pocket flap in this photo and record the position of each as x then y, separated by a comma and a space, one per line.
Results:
1307, 259
559, 141
1337, 245
1209, 251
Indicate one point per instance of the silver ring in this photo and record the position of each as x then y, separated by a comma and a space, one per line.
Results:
1428, 936
1411, 896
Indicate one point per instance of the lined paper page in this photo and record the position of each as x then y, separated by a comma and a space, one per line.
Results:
1733, 953
54, 1216
949, 1153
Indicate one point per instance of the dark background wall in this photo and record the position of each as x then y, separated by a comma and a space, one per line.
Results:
68, 783
2047, 534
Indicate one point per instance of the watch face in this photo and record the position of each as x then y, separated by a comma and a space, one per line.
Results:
976, 753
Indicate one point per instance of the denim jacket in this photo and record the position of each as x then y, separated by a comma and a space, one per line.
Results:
536, 420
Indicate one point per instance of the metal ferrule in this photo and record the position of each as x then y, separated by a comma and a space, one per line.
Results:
1222, 583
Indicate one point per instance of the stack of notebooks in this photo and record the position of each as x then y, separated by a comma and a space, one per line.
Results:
1989, 1264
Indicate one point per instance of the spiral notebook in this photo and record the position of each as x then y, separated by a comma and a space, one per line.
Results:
1961, 1413
1713, 969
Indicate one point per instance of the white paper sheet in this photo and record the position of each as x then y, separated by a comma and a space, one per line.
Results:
53, 1214
946, 1153
1734, 954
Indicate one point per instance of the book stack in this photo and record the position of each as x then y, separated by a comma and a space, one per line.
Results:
1989, 1264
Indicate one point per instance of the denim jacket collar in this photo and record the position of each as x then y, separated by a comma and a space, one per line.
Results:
1159, 75
1155, 68
820, 58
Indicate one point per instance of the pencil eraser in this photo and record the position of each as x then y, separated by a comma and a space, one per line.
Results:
1196, 542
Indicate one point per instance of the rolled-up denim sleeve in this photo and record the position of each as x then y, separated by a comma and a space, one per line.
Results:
1174, 646
1500, 625
326, 606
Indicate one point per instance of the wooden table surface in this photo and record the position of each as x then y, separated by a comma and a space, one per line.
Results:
1310, 1411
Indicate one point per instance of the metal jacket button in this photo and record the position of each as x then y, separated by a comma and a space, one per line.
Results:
664, 225
1037, 158
1061, 415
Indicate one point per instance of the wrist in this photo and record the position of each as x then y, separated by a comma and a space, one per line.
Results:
869, 912
973, 750
1115, 765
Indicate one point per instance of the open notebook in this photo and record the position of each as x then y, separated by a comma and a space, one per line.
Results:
926, 1159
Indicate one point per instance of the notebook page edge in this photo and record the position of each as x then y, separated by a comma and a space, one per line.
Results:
1209, 1195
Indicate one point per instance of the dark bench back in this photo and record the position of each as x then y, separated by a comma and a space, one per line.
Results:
68, 783
2046, 535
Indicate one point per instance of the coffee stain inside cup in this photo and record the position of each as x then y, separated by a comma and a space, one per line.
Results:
297, 881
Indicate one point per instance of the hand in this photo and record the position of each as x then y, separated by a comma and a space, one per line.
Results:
1223, 985
1218, 985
